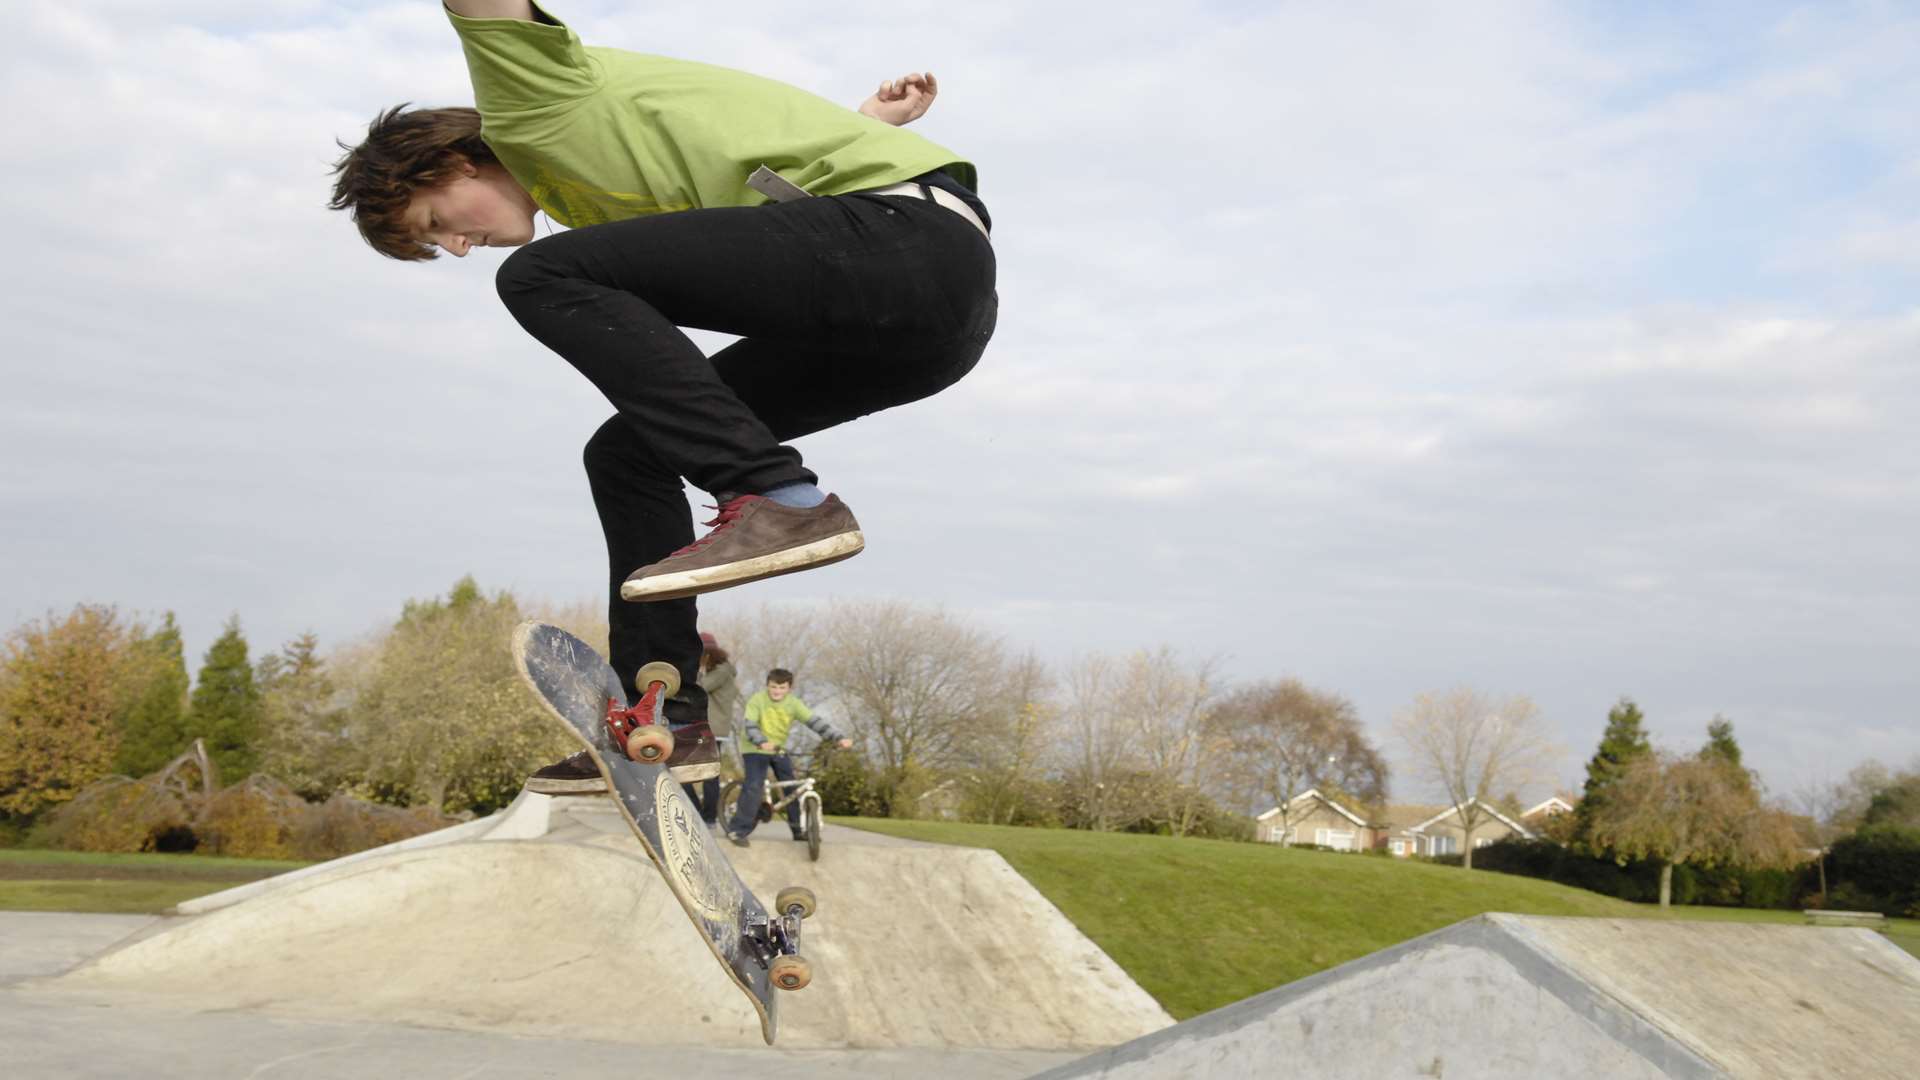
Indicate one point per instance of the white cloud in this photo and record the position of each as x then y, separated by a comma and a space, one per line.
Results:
1389, 347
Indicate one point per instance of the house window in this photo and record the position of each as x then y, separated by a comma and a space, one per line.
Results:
1481, 842
1398, 847
1339, 841
1445, 845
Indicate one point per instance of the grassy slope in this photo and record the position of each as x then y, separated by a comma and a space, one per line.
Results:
33, 880
1202, 923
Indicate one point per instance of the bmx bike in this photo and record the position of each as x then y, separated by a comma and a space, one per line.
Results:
775, 797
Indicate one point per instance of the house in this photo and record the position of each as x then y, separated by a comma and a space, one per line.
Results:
1436, 830
1536, 815
1314, 819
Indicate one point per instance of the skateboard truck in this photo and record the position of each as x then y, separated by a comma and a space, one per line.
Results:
776, 942
641, 732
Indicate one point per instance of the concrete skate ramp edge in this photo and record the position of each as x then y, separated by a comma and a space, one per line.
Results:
1530, 996
913, 946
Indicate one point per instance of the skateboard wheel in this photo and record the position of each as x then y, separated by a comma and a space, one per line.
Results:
795, 894
650, 743
791, 972
659, 672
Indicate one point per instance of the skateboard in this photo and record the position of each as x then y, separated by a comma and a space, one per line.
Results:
759, 950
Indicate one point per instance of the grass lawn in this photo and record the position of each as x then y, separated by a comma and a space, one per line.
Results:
33, 880
1203, 923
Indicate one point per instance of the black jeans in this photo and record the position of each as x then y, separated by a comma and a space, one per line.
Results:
845, 305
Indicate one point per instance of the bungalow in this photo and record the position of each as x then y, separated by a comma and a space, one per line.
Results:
1311, 818
1536, 815
1436, 830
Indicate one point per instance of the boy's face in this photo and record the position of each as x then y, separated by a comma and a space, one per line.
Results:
482, 207
778, 690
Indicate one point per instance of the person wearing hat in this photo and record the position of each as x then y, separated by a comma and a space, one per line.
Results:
723, 702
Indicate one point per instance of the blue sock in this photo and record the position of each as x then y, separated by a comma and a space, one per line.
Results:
800, 496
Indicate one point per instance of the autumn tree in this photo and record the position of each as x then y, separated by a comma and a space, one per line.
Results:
64, 695
154, 728
1622, 743
439, 717
224, 709
1472, 746
1286, 738
1691, 811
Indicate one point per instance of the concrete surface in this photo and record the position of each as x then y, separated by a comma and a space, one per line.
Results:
532, 931
1530, 996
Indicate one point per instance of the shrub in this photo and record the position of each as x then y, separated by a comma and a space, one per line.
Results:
114, 815
343, 825
1768, 888
1881, 862
256, 818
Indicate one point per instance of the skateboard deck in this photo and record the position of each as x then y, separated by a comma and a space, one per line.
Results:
758, 950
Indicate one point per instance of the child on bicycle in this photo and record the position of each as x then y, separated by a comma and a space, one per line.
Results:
771, 714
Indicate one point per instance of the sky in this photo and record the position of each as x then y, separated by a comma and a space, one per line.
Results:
1564, 350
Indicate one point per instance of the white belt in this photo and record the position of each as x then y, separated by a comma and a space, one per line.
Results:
779, 189
940, 195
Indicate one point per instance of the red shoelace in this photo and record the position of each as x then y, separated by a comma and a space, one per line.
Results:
730, 512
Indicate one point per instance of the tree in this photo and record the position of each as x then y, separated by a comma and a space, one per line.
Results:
154, 729
1004, 762
1897, 802
304, 740
1471, 746
1287, 738
224, 709
439, 717
1680, 811
1168, 705
1100, 753
1623, 743
64, 693
917, 685
1722, 747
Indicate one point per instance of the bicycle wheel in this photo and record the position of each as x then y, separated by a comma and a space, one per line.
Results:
729, 802
810, 813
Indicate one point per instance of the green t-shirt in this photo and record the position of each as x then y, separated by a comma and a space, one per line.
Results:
598, 135
775, 719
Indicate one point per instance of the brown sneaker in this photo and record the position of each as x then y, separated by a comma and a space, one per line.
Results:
696, 755
575, 774
753, 538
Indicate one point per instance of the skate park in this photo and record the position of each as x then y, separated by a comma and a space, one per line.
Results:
540, 941
1558, 352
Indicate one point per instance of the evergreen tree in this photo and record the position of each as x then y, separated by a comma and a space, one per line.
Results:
1624, 742
225, 708
304, 739
1722, 748
154, 727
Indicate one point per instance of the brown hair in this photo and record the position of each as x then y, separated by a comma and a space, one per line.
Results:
405, 152
712, 657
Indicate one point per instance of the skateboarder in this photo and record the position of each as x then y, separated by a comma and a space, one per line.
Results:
770, 716
874, 293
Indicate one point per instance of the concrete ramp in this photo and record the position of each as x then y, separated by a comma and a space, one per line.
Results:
1528, 996
555, 923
